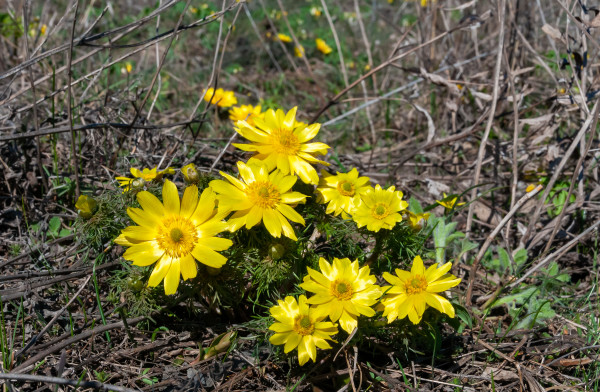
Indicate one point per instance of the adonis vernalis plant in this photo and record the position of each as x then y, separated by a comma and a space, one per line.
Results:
299, 326
260, 196
342, 192
145, 175
175, 234
220, 97
343, 291
411, 292
279, 141
380, 209
245, 113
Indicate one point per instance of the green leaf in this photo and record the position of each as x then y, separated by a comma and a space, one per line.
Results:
415, 206
463, 315
54, 224
520, 257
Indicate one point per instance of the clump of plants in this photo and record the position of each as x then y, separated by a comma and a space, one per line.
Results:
328, 251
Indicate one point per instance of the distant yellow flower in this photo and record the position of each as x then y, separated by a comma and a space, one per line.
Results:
86, 206
260, 196
342, 191
450, 203
298, 326
193, 10
245, 112
530, 187
279, 142
284, 38
315, 11
175, 234
418, 221
43, 29
380, 209
190, 174
411, 292
299, 51
342, 291
367, 67
322, 46
220, 97
144, 175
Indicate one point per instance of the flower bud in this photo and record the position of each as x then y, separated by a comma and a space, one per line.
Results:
190, 174
86, 206
276, 251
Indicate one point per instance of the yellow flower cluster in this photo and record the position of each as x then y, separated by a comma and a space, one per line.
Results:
176, 233
353, 196
343, 291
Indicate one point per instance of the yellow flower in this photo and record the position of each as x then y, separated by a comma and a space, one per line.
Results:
411, 292
342, 291
530, 187
175, 234
342, 191
86, 206
298, 326
245, 112
43, 29
322, 46
190, 174
279, 142
299, 51
284, 38
418, 221
144, 175
380, 209
260, 196
450, 203
220, 97
315, 11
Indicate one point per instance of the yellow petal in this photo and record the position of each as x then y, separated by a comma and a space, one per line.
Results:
143, 218
417, 267
151, 204
440, 303
189, 201
143, 254
272, 223
215, 243
138, 234
160, 271
347, 322
170, 198
208, 256
292, 342
172, 278
188, 266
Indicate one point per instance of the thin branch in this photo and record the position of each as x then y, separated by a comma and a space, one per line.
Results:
488, 127
74, 157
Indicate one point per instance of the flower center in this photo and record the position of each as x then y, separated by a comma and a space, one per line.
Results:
303, 325
346, 188
380, 211
285, 142
177, 236
342, 290
415, 284
263, 194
